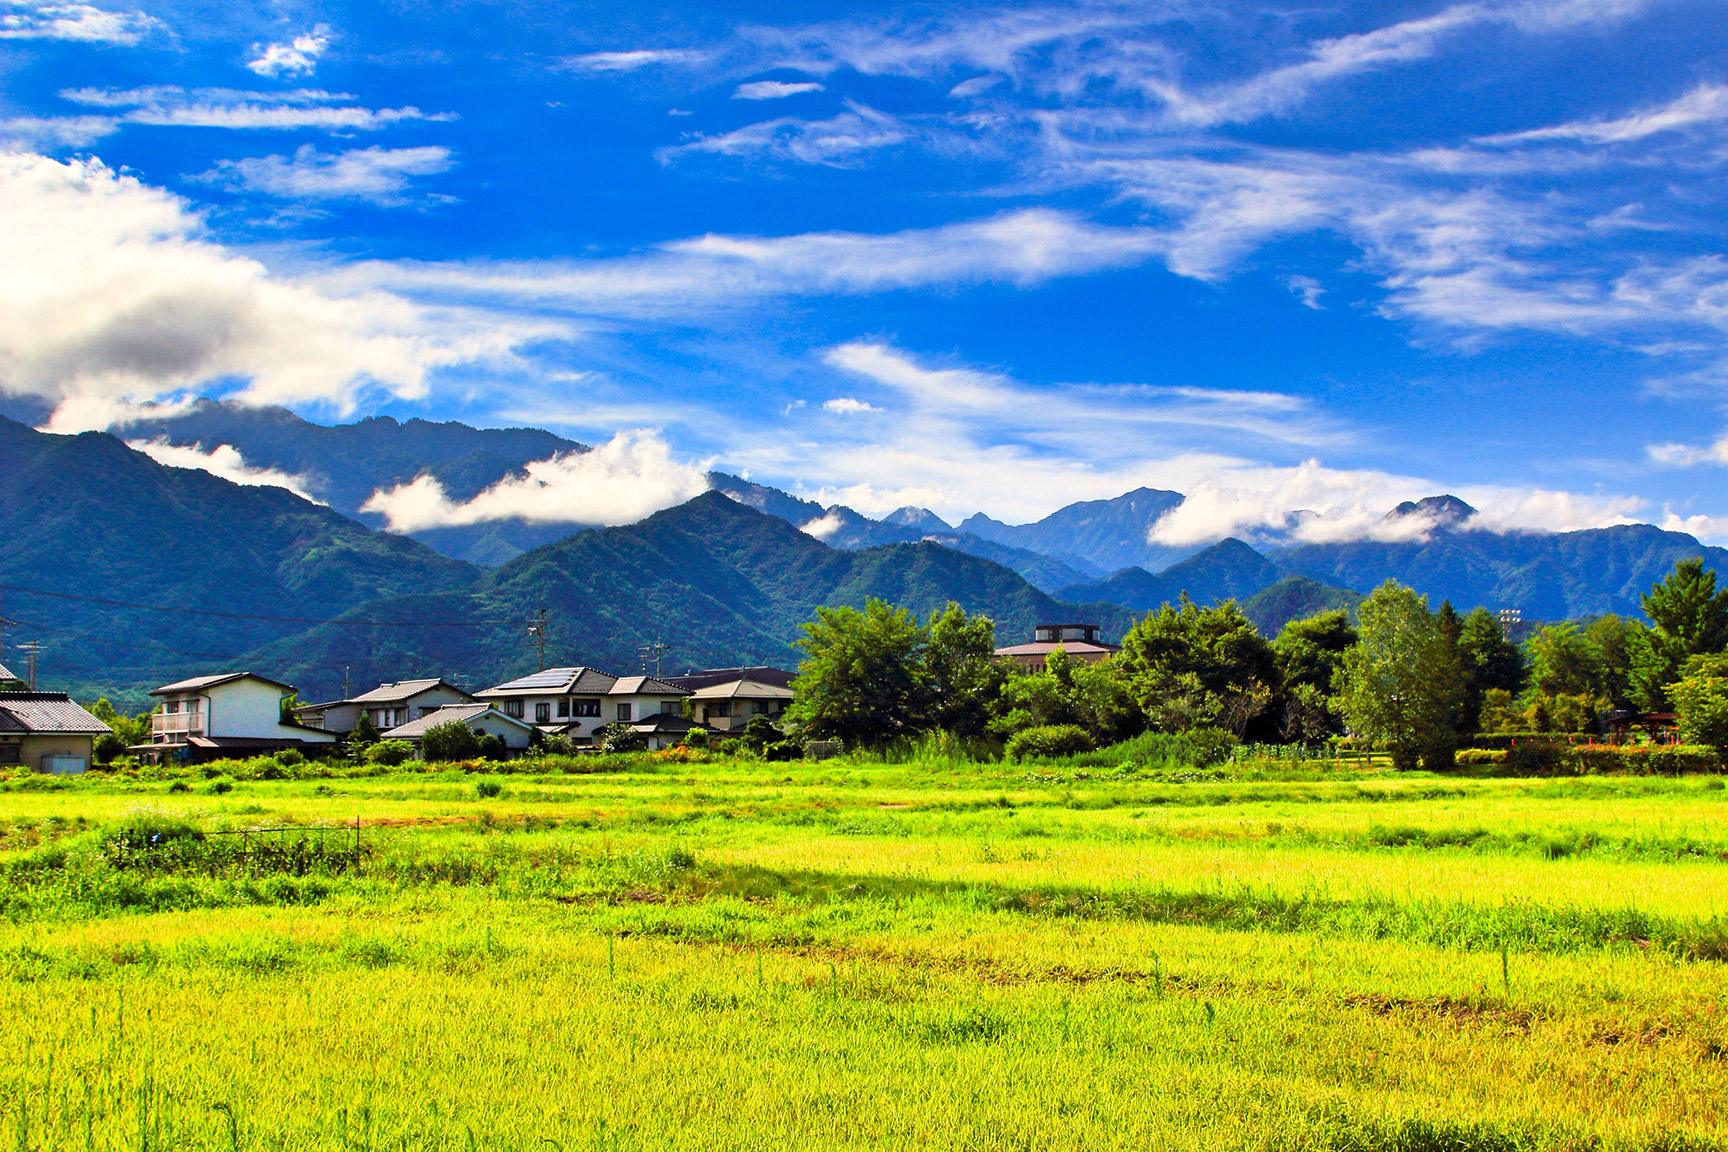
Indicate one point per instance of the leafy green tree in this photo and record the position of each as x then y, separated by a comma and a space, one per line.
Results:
365, 732
1489, 662
1402, 683
1689, 617
1701, 697
1615, 642
962, 676
1310, 658
1562, 662
863, 679
449, 741
1071, 693
1189, 665
129, 729
760, 732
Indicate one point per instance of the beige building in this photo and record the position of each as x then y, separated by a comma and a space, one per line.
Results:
46, 731
1079, 641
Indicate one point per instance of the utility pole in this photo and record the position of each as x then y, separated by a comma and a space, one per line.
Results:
537, 637
655, 652
30, 648
346, 691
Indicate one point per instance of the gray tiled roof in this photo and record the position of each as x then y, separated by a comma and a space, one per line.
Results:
415, 729
401, 690
47, 712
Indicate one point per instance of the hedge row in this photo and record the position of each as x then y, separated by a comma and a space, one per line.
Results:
1534, 758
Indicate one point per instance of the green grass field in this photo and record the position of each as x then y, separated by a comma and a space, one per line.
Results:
849, 955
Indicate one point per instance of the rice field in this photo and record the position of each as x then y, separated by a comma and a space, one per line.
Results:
854, 955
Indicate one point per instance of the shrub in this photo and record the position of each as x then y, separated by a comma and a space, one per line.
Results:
289, 757
731, 746
488, 789
108, 747
389, 753
1482, 756
492, 747
1209, 746
782, 750
1049, 742
179, 786
555, 744
1534, 758
620, 738
682, 754
697, 738
220, 787
451, 740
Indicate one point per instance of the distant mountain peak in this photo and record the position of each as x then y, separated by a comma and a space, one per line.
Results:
1442, 511
918, 519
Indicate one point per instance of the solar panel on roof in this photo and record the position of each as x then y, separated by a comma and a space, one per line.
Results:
551, 678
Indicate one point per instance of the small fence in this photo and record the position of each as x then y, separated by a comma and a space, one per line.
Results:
284, 850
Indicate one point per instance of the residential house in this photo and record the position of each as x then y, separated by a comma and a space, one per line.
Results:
1080, 642
664, 729
483, 719
46, 731
725, 699
578, 701
228, 714
388, 705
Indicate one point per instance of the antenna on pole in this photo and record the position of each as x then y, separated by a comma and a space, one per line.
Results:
652, 652
537, 637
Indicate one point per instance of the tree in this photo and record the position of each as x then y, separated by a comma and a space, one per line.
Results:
1187, 665
1402, 683
1616, 642
1489, 662
863, 680
1689, 617
365, 732
963, 678
451, 740
1310, 657
1701, 697
1070, 693
1561, 661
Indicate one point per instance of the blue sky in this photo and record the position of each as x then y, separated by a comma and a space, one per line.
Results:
997, 257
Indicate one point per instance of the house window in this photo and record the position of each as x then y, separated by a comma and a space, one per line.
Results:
425, 712
759, 707
624, 713
721, 708
542, 713
563, 709
513, 708
172, 707
669, 708
586, 707
9, 753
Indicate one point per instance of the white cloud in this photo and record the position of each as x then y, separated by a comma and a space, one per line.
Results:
225, 461
379, 175
840, 141
1306, 289
1710, 529
33, 20
229, 108
41, 133
1705, 104
620, 482
298, 57
112, 294
1688, 455
847, 406
772, 90
603, 62
976, 86
718, 272
823, 526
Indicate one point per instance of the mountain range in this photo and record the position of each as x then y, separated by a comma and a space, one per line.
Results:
181, 570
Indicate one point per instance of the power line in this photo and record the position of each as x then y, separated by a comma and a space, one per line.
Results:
249, 616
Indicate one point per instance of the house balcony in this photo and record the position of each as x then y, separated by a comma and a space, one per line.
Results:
175, 727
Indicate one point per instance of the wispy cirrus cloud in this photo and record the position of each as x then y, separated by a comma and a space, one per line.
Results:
631, 60
380, 176
34, 20
167, 105
839, 141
